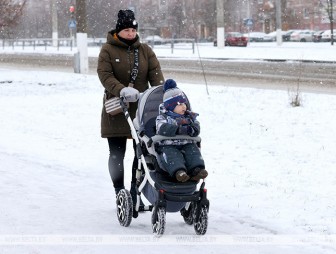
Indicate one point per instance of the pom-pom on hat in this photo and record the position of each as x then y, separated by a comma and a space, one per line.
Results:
126, 19
172, 95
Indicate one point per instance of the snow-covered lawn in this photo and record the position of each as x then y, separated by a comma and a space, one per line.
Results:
271, 184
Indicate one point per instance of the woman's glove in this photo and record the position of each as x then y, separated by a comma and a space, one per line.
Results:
130, 94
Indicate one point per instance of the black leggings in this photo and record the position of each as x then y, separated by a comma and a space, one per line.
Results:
117, 146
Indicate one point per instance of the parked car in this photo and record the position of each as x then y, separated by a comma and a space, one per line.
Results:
326, 35
255, 36
302, 36
287, 34
317, 36
270, 37
235, 39
154, 39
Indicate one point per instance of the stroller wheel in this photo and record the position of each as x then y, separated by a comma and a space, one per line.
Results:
159, 220
188, 214
200, 219
124, 207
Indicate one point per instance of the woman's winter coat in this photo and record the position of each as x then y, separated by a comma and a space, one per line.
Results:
115, 63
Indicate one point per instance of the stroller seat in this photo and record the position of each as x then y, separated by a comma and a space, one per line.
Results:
145, 120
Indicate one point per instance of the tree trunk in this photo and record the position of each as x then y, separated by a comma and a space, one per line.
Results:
81, 16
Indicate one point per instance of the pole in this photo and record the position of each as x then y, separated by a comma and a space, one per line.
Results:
332, 22
81, 16
82, 36
278, 22
220, 24
248, 14
54, 21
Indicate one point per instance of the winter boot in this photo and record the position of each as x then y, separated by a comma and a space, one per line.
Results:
199, 174
182, 176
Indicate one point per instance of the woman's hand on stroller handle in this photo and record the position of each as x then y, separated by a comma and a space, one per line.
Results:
129, 94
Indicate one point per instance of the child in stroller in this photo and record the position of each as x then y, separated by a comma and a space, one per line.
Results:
163, 192
179, 157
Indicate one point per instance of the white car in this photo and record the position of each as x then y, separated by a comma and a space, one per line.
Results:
302, 36
154, 39
272, 36
255, 36
326, 36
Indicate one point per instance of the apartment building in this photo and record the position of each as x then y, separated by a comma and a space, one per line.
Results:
295, 14
308, 14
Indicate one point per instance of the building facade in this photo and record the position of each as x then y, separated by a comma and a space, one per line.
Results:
295, 14
176, 18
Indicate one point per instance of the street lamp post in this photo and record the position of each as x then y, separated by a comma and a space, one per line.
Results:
220, 24
81, 37
54, 21
278, 22
332, 22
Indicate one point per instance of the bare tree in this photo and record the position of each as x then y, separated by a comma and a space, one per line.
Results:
11, 11
81, 16
177, 16
330, 10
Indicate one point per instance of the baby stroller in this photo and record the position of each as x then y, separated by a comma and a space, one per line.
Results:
164, 193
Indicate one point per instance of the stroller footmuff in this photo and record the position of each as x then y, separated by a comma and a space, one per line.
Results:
163, 193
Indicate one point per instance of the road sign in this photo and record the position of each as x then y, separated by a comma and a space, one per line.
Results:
72, 23
248, 22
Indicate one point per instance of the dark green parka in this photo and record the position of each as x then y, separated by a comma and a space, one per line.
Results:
115, 63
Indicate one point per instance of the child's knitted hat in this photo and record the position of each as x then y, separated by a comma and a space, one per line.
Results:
172, 95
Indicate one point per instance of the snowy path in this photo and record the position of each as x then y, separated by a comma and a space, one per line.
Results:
271, 171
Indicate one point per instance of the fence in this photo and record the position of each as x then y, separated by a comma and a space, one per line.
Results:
172, 44
37, 43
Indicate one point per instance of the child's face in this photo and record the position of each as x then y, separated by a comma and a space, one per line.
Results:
180, 109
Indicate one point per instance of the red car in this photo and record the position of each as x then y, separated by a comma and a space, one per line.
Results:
235, 39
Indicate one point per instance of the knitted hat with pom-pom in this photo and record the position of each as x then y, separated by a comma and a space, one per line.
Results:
126, 19
172, 95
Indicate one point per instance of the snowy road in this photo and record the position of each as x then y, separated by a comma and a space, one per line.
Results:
314, 77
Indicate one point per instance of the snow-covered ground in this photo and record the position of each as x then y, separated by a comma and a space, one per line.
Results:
271, 183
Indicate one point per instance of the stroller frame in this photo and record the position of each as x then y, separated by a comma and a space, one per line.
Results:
195, 205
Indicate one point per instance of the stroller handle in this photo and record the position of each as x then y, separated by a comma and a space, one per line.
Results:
123, 103
134, 134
